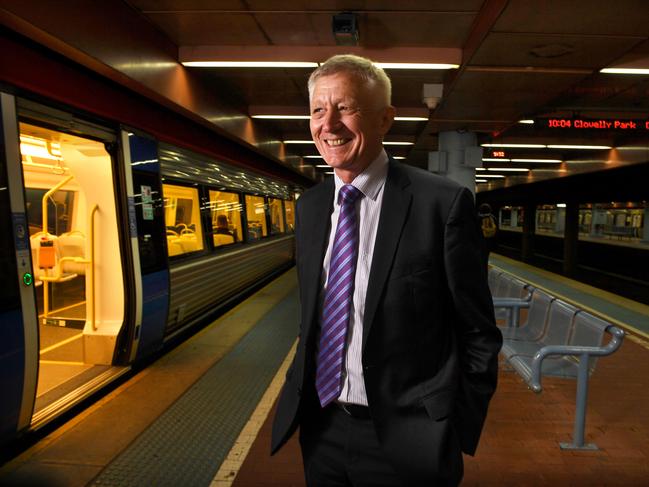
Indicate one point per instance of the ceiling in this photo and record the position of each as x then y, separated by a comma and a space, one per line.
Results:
518, 59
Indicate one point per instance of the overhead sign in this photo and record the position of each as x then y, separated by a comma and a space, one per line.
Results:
575, 123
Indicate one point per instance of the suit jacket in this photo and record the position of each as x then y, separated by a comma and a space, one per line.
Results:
430, 342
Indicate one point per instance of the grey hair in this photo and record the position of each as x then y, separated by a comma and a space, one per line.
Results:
357, 66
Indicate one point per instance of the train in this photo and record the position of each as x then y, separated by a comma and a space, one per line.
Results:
124, 225
591, 227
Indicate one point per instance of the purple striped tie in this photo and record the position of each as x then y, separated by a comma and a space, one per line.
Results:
338, 298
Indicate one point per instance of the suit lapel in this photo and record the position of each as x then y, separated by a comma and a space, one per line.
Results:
394, 209
315, 231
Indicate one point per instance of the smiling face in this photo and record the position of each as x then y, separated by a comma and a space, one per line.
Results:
348, 121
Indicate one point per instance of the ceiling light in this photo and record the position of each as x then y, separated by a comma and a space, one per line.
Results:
508, 169
537, 160
523, 146
411, 119
282, 117
561, 205
480, 180
624, 71
593, 147
313, 157
299, 142
495, 159
398, 157
628, 147
322, 166
416, 66
527, 121
480, 168
398, 143
330, 172
491, 176
249, 64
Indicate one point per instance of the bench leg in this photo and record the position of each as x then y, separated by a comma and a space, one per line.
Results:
580, 410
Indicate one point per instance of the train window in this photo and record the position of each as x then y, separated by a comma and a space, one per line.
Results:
550, 220
226, 211
256, 215
511, 218
619, 222
59, 210
289, 207
182, 218
276, 216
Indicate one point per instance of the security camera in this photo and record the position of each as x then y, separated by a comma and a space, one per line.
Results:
432, 94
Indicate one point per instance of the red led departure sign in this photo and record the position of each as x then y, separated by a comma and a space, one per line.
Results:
497, 153
590, 124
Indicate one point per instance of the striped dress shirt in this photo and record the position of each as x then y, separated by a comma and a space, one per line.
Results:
370, 182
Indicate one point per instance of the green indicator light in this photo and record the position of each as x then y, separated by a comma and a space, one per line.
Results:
27, 279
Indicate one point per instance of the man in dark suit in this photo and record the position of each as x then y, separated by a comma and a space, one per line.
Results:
397, 356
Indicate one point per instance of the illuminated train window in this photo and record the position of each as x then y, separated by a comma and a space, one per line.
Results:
256, 215
226, 209
289, 207
276, 216
613, 222
183, 220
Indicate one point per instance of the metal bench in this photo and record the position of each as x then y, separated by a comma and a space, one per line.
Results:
509, 290
568, 348
533, 328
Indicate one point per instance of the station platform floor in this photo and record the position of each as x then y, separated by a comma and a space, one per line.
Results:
201, 415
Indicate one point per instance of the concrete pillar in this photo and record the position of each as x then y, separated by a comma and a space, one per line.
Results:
570, 238
458, 156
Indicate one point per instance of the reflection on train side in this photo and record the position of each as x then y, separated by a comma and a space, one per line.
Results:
70, 203
614, 222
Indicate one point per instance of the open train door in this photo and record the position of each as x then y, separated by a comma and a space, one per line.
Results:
18, 325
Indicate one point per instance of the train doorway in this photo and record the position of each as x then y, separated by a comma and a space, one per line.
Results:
70, 205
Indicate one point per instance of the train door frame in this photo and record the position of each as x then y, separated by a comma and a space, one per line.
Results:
53, 116
26, 316
152, 286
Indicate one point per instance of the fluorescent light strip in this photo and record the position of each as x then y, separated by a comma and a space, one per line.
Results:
249, 64
527, 121
411, 119
523, 146
398, 157
538, 160
313, 157
282, 117
624, 71
491, 176
638, 148
587, 147
480, 180
480, 168
495, 159
322, 166
416, 66
299, 142
508, 169
398, 143
307, 117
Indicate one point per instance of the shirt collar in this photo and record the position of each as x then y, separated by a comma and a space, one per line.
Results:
370, 181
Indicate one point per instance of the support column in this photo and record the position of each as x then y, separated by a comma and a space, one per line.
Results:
570, 236
529, 228
457, 158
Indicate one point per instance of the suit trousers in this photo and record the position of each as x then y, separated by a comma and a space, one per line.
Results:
340, 450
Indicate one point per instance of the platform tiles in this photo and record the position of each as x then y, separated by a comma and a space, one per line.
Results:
188, 443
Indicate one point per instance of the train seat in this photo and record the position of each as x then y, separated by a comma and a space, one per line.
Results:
72, 244
222, 239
